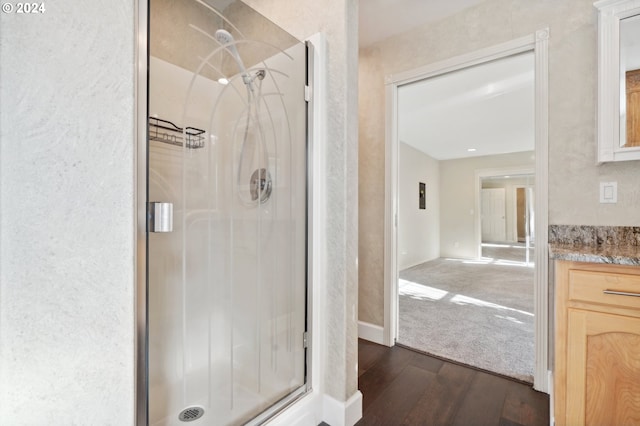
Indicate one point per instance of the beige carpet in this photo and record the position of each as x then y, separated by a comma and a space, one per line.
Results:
478, 313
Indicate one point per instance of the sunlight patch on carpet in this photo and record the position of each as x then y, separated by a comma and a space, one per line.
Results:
504, 246
512, 319
419, 291
492, 261
461, 299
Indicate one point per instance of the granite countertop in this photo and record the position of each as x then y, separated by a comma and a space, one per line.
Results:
620, 255
598, 244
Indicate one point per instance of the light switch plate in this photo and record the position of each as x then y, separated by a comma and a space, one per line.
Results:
608, 192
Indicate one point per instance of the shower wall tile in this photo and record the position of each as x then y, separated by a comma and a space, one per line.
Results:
67, 273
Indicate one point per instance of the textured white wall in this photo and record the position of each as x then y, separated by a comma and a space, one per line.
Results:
418, 230
371, 189
573, 173
337, 19
67, 211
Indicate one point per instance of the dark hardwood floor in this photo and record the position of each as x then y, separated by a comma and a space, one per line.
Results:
404, 387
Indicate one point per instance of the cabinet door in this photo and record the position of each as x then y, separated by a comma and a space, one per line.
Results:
603, 369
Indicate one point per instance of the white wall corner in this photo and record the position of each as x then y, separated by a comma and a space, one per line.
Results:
337, 413
371, 332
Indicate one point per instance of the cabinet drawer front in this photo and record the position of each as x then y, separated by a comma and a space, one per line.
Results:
585, 286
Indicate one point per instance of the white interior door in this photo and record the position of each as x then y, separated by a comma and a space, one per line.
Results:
493, 214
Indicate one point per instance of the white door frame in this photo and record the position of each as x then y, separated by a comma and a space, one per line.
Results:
538, 43
515, 207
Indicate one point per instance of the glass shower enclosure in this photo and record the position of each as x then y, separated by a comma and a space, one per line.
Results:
227, 192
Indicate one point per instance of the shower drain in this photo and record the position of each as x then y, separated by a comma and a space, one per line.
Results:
190, 414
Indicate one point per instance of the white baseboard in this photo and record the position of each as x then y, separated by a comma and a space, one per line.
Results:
346, 413
371, 332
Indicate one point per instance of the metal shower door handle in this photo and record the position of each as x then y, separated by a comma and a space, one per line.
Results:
160, 217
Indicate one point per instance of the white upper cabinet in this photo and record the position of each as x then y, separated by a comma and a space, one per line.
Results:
618, 80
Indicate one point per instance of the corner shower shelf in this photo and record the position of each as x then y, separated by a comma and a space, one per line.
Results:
166, 132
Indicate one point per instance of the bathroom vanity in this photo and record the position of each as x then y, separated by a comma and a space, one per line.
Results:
597, 332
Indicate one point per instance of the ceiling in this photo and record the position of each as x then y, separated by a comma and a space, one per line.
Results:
488, 108
380, 19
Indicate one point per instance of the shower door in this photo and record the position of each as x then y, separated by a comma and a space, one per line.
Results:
228, 199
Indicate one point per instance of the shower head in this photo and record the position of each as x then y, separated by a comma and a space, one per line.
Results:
225, 38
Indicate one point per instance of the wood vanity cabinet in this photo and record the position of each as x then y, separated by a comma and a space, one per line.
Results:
597, 354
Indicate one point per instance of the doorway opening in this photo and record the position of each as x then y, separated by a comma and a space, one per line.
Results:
510, 235
519, 247
506, 217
